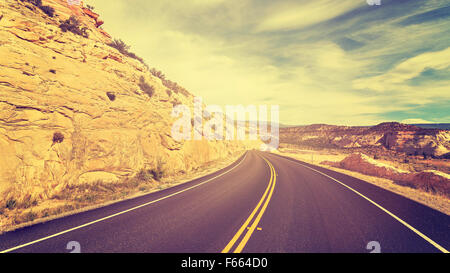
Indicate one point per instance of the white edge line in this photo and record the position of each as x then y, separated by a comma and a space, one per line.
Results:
436, 245
119, 213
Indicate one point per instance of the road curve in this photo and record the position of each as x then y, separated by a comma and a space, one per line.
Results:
261, 203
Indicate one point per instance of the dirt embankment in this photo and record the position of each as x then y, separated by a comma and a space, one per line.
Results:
429, 181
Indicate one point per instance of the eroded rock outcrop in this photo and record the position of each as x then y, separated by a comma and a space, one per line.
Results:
72, 110
398, 137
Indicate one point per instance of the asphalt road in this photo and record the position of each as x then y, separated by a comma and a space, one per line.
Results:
261, 203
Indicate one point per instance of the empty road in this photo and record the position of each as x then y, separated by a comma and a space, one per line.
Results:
262, 203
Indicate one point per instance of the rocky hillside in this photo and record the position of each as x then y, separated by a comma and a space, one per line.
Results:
74, 110
393, 136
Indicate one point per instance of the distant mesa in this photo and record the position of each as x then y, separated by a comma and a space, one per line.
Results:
394, 136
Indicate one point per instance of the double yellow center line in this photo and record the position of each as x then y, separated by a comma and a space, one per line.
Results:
261, 207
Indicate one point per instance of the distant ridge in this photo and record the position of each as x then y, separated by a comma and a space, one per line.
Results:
441, 126
395, 136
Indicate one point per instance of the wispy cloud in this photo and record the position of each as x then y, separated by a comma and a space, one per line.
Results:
322, 61
416, 121
288, 15
397, 77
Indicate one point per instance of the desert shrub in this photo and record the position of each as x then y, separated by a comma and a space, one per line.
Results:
148, 174
157, 73
52, 71
11, 204
136, 57
73, 25
120, 45
158, 173
28, 202
37, 3
46, 9
123, 48
45, 213
175, 87
30, 216
87, 198
58, 137
144, 175
111, 96
145, 87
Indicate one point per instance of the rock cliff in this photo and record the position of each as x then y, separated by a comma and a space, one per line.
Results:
398, 137
73, 109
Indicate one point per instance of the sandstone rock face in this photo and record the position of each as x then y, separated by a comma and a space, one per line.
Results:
398, 137
59, 123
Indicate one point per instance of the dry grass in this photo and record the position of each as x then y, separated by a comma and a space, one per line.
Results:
435, 201
74, 199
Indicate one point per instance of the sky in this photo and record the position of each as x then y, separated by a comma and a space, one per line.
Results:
322, 61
